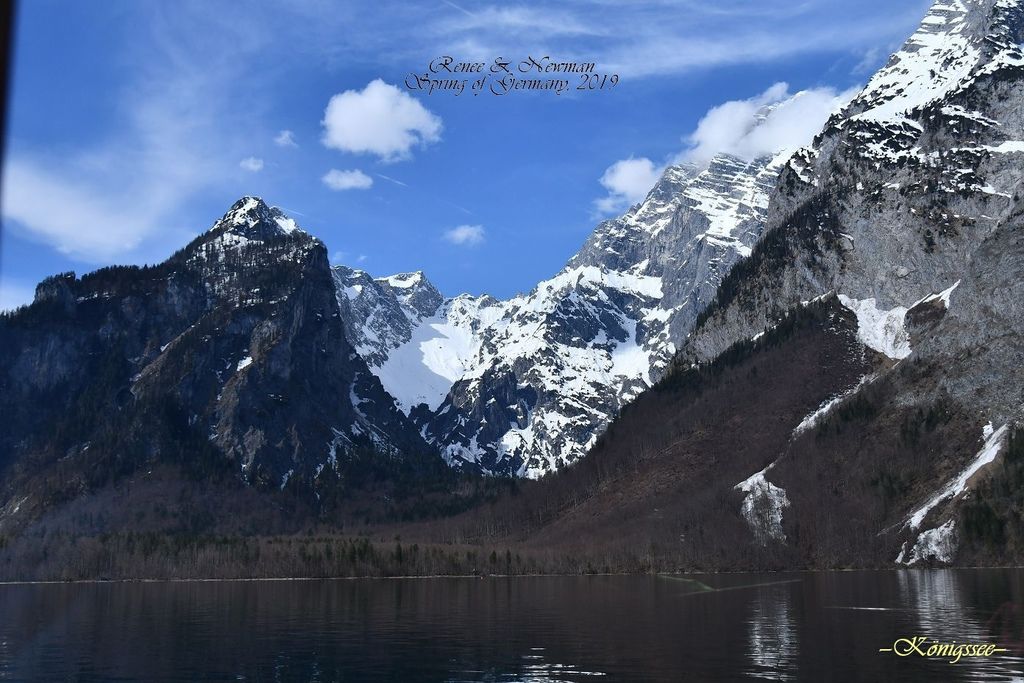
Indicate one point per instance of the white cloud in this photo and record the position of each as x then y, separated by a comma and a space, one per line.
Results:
465, 235
627, 181
869, 62
285, 138
768, 123
380, 119
771, 122
347, 180
252, 164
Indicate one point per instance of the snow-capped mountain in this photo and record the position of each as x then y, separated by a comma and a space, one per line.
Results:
854, 394
908, 208
902, 186
526, 385
833, 338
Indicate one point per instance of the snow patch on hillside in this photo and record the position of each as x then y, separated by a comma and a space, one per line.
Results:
812, 419
994, 440
423, 369
938, 544
762, 507
288, 225
880, 329
944, 296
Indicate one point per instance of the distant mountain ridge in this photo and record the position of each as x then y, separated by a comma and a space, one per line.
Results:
524, 386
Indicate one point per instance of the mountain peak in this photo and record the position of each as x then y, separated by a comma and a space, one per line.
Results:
953, 40
252, 218
417, 295
406, 280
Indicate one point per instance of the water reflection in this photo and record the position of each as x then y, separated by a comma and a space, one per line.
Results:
941, 598
812, 626
937, 599
534, 669
773, 648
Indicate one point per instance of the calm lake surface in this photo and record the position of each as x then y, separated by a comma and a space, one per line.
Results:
821, 626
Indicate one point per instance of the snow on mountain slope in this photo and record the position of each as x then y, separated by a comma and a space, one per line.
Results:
529, 390
910, 196
440, 351
417, 343
904, 183
424, 369
524, 386
936, 59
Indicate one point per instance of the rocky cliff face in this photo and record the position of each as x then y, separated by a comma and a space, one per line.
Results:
907, 207
901, 187
231, 353
524, 386
853, 394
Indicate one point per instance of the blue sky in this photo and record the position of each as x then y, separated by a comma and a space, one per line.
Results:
133, 125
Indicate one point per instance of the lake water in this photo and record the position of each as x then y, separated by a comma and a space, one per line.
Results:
820, 626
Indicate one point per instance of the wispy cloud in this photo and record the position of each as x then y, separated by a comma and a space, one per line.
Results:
285, 138
465, 235
251, 164
536, 22
290, 212
64, 211
392, 180
110, 196
347, 180
638, 39
661, 52
651, 38
458, 7
341, 257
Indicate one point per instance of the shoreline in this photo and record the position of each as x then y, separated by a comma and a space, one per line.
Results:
52, 582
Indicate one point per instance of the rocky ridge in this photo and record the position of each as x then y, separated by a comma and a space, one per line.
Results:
230, 354
908, 208
524, 386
